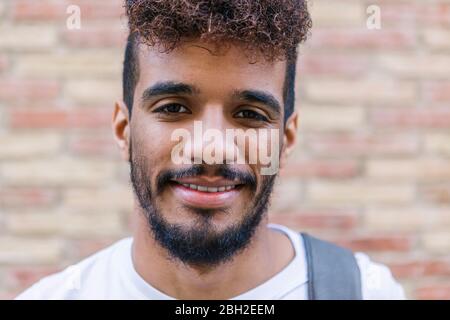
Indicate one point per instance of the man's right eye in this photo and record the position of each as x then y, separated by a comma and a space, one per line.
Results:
172, 108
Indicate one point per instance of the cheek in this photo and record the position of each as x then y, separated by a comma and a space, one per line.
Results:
269, 146
265, 144
157, 152
152, 140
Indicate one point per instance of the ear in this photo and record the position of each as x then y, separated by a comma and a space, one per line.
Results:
121, 128
289, 137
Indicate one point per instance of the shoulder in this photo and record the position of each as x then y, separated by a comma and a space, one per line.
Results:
77, 279
377, 281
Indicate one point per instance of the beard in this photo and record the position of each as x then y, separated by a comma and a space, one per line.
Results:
200, 244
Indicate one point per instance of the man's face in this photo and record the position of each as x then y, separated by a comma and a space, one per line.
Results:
203, 213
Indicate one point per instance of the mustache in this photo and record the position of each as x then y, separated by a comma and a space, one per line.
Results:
223, 170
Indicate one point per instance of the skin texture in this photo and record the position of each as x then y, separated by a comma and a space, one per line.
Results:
148, 132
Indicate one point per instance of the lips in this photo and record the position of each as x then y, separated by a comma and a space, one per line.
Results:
205, 192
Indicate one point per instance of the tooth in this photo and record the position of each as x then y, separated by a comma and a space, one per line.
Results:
221, 189
201, 188
193, 186
212, 189
229, 187
186, 185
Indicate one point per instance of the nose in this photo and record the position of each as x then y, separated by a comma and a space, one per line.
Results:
211, 143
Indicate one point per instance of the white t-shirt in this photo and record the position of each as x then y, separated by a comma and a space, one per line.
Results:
110, 274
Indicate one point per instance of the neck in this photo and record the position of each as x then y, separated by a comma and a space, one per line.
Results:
267, 254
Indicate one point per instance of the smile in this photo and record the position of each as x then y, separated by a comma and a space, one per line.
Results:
204, 193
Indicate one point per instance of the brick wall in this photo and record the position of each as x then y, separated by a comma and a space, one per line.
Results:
371, 172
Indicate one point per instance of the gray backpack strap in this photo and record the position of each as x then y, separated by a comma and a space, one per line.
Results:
333, 273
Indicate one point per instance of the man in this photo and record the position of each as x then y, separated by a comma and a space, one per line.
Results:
201, 228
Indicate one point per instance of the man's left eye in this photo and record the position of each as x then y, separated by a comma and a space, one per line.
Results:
250, 114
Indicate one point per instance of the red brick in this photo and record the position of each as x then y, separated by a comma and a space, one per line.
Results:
57, 118
38, 118
436, 193
24, 277
377, 243
436, 14
19, 90
38, 10
322, 168
437, 91
433, 292
421, 268
27, 197
412, 118
356, 144
319, 219
350, 39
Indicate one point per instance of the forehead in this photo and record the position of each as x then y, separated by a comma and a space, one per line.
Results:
196, 63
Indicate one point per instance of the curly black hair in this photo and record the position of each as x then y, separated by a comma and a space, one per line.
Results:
268, 28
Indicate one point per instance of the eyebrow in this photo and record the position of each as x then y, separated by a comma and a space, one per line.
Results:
166, 88
258, 96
